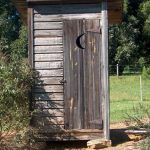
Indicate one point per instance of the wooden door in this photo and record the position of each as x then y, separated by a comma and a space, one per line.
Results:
82, 74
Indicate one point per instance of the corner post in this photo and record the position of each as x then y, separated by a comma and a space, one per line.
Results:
105, 74
30, 46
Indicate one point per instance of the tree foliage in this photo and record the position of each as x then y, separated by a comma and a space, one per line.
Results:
19, 46
16, 80
144, 16
15, 73
130, 41
9, 25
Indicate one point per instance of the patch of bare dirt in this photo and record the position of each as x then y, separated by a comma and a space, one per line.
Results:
119, 125
130, 145
120, 140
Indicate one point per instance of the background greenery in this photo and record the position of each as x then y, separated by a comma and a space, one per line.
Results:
130, 41
129, 44
15, 74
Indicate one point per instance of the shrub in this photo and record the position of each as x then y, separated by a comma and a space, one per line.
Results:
146, 73
16, 79
140, 118
145, 144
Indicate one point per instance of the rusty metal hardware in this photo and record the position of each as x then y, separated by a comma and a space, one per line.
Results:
63, 81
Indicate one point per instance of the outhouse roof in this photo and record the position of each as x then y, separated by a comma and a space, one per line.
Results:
114, 7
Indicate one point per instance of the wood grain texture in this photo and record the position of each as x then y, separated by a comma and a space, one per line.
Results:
49, 81
48, 25
67, 9
92, 58
49, 65
60, 17
72, 97
48, 96
49, 57
40, 120
83, 104
64, 136
48, 41
49, 88
50, 73
48, 33
104, 71
62, 1
48, 62
48, 49
53, 106
49, 17
30, 48
30, 35
49, 112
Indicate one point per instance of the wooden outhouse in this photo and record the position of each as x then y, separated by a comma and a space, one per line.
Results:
68, 49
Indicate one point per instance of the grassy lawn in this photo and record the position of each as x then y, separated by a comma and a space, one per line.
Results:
125, 94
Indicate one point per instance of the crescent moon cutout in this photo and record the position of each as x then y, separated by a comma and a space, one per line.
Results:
78, 42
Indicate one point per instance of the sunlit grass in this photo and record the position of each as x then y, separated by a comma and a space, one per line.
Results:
125, 94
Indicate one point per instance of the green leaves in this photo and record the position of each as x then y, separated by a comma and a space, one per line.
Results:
16, 77
16, 80
123, 43
144, 12
145, 8
146, 73
130, 41
19, 46
9, 25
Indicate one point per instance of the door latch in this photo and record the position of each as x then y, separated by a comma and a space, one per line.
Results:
63, 81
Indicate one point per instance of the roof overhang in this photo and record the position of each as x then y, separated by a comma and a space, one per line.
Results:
114, 7
21, 6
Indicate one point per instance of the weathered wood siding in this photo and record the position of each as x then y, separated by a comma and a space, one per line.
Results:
48, 93
67, 92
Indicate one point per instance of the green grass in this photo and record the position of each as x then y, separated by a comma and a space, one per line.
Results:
125, 94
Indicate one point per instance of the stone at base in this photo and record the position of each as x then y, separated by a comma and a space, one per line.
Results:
98, 143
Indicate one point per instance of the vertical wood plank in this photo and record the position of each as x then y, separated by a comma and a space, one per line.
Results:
92, 75
30, 47
66, 77
30, 35
105, 83
73, 68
